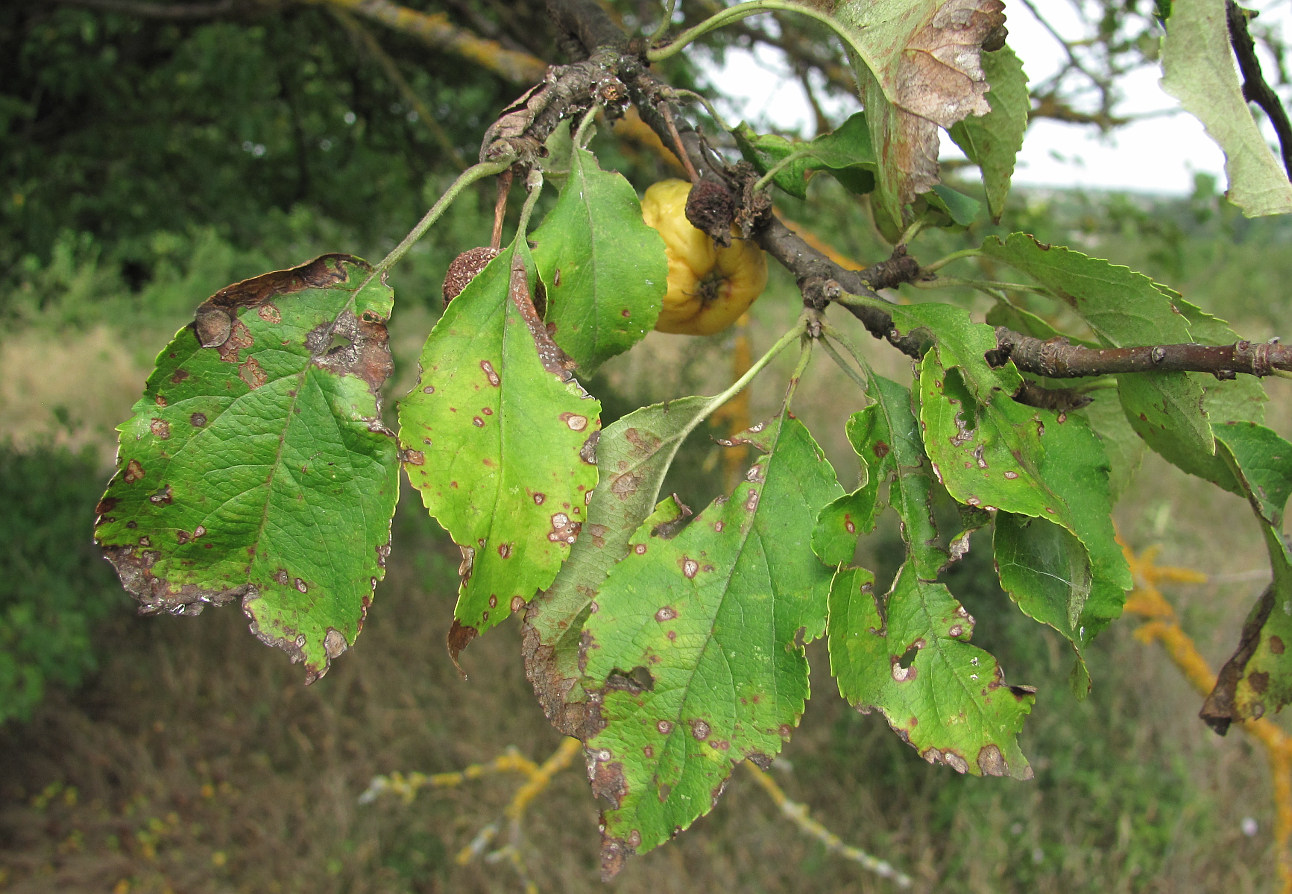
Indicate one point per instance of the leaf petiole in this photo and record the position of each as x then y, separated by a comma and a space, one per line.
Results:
760, 364
954, 256
735, 14
833, 335
465, 179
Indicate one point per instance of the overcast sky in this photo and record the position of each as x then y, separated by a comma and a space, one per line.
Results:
1161, 154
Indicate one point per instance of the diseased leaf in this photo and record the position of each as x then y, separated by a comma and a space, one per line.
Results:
604, 270
633, 456
909, 656
992, 452
696, 645
886, 437
918, 64
256, 465
1257, 679
1198, 69
498, 438
992, 141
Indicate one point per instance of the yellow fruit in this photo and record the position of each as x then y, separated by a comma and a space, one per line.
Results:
708, 287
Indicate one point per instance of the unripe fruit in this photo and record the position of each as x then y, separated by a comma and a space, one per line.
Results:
708, 287
464, 269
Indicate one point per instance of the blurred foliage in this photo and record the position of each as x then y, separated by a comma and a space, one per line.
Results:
56, 586
122, 128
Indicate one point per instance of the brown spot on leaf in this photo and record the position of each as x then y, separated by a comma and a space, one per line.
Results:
1276, 645
160, 428
574, 421
700, 730
490, 373
902, 674
334, 643
667, 613
197, 420
504, 550
134, 472
270, 314
689, 567
163, 497
991, 762
460, 636
564, 530
251, 373
624, 485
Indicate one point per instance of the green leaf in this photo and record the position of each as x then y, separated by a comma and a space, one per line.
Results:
256, 465
604, 270
696, 645
909, 656
951, 207
961, 343
1123, 447
1198, 69
1121, 306
886, 437
633, 456
845, 153
498, 439
765, 151
992, 141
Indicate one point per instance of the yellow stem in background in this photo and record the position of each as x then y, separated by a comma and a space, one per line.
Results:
1161, 625
436, 31
798, 814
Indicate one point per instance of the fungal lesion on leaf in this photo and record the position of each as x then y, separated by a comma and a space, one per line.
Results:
634, 682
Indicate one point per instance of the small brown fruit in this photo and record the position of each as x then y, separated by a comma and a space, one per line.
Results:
464, 269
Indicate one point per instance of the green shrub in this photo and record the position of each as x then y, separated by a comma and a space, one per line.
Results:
54, 588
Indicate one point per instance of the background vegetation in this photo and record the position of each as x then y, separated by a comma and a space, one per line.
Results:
149, 164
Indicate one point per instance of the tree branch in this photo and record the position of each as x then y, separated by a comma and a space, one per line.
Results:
436, 31
1255, 88
1062, 360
